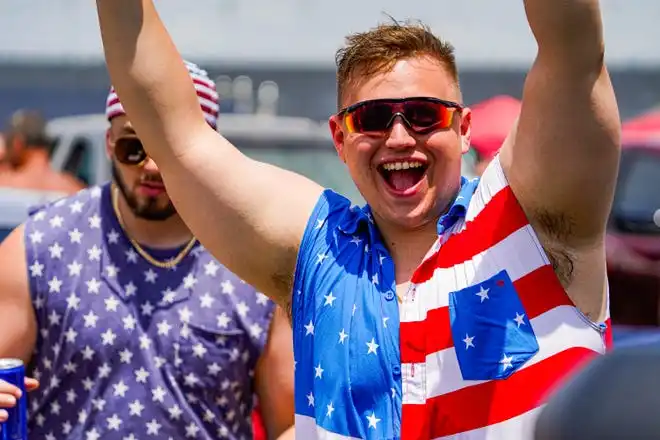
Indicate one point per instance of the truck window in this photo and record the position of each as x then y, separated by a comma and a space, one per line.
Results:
79, 162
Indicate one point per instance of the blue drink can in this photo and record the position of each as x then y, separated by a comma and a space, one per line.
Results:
15, 428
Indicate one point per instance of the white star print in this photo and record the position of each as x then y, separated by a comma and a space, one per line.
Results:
227, 287
111, 304
108, 337
506, 362
129, 322
318, 371
262, 299
223, 320
55, 250
309, 328
104, 370
92, 435
113, 237
120, 389
36, 237
87, 353
189, 281
94, 221
76, 207
93, 286
131, 256
175, 412
483, 294
88, 384
242, 309
73, 302
330, 409
321, 258
54, 285
468, 341
135, 408
158, 394
130, 289
70, 335
385, 319
141, 375
56, 222
94, 253
211, 268
373, 420
145, 342
206, 300
150, 276
342, 336
214, 369
519, 319
111, 270
54, 318
256, 330
153, 427
199, 350
147, 309
372, 346
310, 399
75, 236
36, 269
191, 430
163, 328
125, 356
329, 299
74, 268
71, 396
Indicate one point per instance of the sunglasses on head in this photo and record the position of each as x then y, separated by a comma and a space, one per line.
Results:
421, 114
129, 151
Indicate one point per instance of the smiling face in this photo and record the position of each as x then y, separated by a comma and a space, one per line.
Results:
408, 176
140, 183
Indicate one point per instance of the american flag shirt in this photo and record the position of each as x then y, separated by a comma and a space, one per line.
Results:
127, 350
483, 333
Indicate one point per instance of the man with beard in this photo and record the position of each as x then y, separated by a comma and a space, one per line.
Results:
132, 328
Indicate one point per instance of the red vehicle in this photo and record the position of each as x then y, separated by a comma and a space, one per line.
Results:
633, 238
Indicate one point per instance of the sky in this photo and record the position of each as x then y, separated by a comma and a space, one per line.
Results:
484, 32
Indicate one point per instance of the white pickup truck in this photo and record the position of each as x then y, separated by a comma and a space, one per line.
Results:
298, 144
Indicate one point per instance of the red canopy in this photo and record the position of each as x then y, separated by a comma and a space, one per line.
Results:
642, 127
492, 120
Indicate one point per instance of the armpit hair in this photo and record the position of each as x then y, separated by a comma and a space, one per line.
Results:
553, 230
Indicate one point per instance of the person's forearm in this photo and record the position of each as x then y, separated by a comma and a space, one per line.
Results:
567, 26
148, 74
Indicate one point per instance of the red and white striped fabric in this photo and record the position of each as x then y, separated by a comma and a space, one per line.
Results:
204, 86
494, 236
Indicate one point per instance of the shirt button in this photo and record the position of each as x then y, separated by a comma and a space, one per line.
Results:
389, 295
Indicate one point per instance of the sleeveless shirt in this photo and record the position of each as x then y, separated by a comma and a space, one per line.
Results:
127, 350
484, 332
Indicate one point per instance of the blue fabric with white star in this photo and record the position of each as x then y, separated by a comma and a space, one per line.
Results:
127, 350
492, 336
346, 320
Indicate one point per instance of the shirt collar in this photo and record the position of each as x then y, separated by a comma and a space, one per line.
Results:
459, 206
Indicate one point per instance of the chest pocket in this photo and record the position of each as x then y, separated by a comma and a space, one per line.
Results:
492, 336
213, 353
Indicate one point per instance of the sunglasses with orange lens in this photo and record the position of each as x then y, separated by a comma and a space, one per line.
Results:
421, 114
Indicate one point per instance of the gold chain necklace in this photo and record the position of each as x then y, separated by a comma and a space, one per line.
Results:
168, 264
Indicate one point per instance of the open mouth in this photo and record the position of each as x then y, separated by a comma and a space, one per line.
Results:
402, 176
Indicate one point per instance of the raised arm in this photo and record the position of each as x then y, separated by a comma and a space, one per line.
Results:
251, 216
562, 159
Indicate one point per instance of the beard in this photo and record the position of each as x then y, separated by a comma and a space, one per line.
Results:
145, 208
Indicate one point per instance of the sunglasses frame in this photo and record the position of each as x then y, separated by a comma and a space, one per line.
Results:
449, 105
137, 164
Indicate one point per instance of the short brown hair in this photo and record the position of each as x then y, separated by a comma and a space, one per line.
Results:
379, 49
